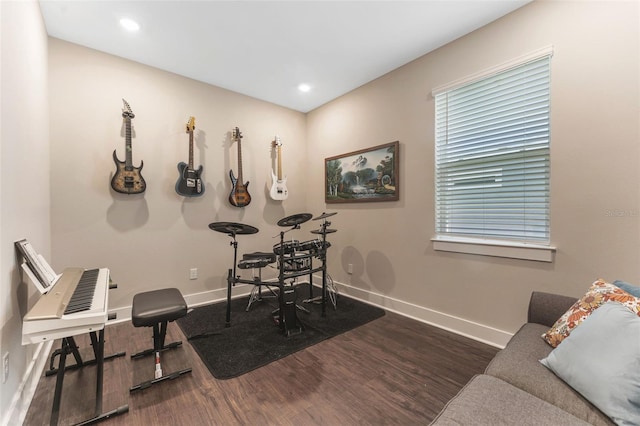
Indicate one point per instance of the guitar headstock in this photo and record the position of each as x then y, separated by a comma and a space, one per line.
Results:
236, 134
191, 124
126, 111
277, 142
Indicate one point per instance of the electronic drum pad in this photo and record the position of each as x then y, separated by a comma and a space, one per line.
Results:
324, 215
233, 228
295, 219
325, 231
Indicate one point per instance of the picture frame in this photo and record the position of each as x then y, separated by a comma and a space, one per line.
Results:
366, 175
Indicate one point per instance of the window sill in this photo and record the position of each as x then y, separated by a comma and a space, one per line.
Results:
495, 248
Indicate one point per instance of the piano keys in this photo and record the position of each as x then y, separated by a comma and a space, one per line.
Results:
76, 304
82, 297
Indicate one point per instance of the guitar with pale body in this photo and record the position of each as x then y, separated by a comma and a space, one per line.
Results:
239, 196
189, 183
127, 179
279, 189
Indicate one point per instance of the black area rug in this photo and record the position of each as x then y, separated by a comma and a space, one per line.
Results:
254, 339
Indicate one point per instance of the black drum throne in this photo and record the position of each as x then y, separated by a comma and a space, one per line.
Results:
258, 260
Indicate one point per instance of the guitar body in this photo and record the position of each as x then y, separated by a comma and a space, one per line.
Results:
279, 189
239, 196
127, 180
189, 183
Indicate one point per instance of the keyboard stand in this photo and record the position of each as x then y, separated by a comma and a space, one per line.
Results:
76, 354
69, 347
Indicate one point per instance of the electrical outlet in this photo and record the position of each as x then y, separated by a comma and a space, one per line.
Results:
193, 274
350, 268
5, 367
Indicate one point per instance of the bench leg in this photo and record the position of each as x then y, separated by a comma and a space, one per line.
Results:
171, 376
159, 335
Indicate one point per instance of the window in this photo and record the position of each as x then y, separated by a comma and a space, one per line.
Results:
492, 155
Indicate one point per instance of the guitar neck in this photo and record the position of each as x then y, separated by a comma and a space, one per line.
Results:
279, 162
128, 149
191, 149
240, 179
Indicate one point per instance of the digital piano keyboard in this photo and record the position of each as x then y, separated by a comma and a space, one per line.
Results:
76, 304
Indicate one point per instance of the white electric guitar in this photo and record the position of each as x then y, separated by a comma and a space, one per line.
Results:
279, 187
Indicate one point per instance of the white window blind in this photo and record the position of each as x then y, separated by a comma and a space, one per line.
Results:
492, 156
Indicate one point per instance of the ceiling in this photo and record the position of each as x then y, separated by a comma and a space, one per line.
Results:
265, 49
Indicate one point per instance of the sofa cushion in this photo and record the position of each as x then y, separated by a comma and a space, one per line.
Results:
518, 364
600, 359
599, 293
486, 400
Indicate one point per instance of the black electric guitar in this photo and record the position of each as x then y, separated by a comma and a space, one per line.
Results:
127, 179
189, 182
279, 189
239, 196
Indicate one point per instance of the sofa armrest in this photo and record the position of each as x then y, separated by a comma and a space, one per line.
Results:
546, 308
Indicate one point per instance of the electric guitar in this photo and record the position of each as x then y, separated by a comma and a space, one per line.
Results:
189, 182
127, 179
279, 187
239, 196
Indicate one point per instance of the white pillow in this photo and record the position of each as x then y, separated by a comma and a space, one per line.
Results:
601, 360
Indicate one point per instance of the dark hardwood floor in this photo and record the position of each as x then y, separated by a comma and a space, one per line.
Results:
391, 371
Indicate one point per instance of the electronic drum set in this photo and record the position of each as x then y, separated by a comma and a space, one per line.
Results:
295, 259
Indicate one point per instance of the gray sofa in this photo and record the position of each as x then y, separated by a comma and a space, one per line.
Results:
516, 389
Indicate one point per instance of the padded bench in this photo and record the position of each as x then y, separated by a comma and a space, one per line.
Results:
156, 309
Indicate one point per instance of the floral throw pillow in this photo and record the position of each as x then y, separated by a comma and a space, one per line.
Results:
599, 293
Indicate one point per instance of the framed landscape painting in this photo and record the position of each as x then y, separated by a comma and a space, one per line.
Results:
363, 176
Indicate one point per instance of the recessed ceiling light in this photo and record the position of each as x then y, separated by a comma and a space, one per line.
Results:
129, 24
304, 87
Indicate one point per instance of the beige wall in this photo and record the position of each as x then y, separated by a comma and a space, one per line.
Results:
152, 240
595, 184
24, 186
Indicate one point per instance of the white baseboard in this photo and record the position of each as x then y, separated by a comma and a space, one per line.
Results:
24, 394
479, 332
